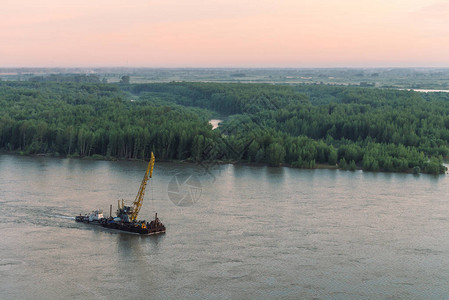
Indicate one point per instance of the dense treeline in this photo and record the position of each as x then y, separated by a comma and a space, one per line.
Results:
93, 119
376, 129
224, 98
79, 78
373, 129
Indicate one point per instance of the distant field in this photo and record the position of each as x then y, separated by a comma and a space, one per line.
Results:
414, 78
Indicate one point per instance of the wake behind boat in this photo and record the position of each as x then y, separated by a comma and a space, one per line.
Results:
126, 219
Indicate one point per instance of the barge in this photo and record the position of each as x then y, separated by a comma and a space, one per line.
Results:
126, 219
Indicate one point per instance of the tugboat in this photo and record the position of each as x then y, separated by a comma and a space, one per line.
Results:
126, 219
94, 217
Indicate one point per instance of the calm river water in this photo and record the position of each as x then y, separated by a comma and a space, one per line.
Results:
232, 232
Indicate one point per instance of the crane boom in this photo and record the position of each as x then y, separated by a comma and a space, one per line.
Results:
137, 204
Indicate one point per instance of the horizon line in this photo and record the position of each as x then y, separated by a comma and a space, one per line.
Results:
221, 68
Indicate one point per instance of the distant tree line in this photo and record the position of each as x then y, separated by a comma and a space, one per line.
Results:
373, 129
93, 119
78, 78
301, 126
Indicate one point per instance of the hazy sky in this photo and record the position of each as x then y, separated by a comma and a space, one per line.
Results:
224, 33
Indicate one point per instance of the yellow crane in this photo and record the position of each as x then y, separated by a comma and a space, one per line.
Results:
137, 204
126, 219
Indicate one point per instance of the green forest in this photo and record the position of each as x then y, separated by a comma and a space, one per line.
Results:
303, 126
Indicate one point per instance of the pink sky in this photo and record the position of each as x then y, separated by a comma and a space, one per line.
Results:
224, 33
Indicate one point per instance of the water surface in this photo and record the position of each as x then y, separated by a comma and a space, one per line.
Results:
252, 232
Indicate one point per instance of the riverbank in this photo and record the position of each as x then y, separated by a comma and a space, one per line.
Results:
205, 163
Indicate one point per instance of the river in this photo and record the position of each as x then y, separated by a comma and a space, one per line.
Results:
215, 123
426, 91
233, 231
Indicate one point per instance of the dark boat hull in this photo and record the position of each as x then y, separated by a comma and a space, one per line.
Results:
123, 226
131, 227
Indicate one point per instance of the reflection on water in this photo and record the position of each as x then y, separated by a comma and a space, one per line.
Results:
255, 232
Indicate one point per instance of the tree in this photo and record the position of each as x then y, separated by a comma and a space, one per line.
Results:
276, 154
333, 156
125, 79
